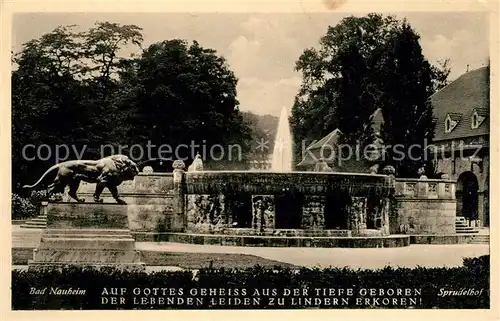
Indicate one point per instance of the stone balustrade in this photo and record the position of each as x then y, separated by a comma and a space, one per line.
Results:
259, 202
425, 188
424, 206
265, 203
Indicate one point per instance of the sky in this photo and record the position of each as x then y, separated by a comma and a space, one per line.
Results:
262, 48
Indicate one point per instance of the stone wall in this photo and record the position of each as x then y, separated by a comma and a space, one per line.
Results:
423, 206
217, 201
274, 183
193, 202
461, 162
152, 202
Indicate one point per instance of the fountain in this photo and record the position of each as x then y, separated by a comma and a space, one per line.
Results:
280, 207
282, 153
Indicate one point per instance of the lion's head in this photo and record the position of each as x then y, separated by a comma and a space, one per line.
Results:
127, 169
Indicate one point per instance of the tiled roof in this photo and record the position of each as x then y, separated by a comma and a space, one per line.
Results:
329, 140
455, 116
459, 99
483, 112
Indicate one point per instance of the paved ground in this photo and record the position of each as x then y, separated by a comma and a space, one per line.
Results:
411, 256
25, 237
149, 269
414, 255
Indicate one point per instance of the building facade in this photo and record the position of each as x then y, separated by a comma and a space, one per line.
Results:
460, 148
461, 141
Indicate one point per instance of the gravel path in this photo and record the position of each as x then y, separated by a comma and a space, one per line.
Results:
414, 255
411, 256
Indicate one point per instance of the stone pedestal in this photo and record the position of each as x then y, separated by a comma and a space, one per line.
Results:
87, 235
263, 212
313, 212
357, 215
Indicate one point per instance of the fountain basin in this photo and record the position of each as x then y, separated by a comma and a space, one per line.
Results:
260, 183
256, 208
287, 204
387, 241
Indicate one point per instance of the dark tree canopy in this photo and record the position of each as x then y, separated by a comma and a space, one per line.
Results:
362, 64
406, 84
78, 89
183, 94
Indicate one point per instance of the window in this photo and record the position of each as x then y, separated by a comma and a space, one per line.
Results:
475, 122
448, 125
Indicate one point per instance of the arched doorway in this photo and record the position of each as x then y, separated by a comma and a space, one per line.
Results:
467, 196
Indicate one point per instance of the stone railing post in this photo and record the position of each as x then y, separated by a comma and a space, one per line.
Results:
357, 215
43, 208
422, 187
395, 189
445, 188
263, 212
179, 212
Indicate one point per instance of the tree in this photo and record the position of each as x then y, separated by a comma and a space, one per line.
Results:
105, 63
263, 130
349, 77
102, 46
353, 103
185, 94
57, 98
440, 74
406, 82
338, 78
44, 100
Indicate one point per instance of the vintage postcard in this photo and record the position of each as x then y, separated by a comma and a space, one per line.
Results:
319, 156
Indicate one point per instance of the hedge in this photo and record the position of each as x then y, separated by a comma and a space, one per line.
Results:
29, 206
424, 284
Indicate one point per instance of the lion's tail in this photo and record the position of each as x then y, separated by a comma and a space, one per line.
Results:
43, 176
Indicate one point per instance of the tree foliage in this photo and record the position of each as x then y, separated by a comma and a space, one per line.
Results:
362, 64
263, 128
185, 94
84, 89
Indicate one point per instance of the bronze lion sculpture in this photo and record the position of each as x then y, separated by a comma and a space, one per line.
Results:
108, 172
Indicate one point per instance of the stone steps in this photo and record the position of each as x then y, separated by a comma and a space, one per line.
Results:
462, 227
102, 232
34, 225
28, 238
37, 222
87, 244
480, 239
479, 242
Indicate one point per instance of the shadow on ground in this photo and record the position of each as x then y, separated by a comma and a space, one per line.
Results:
20, 256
